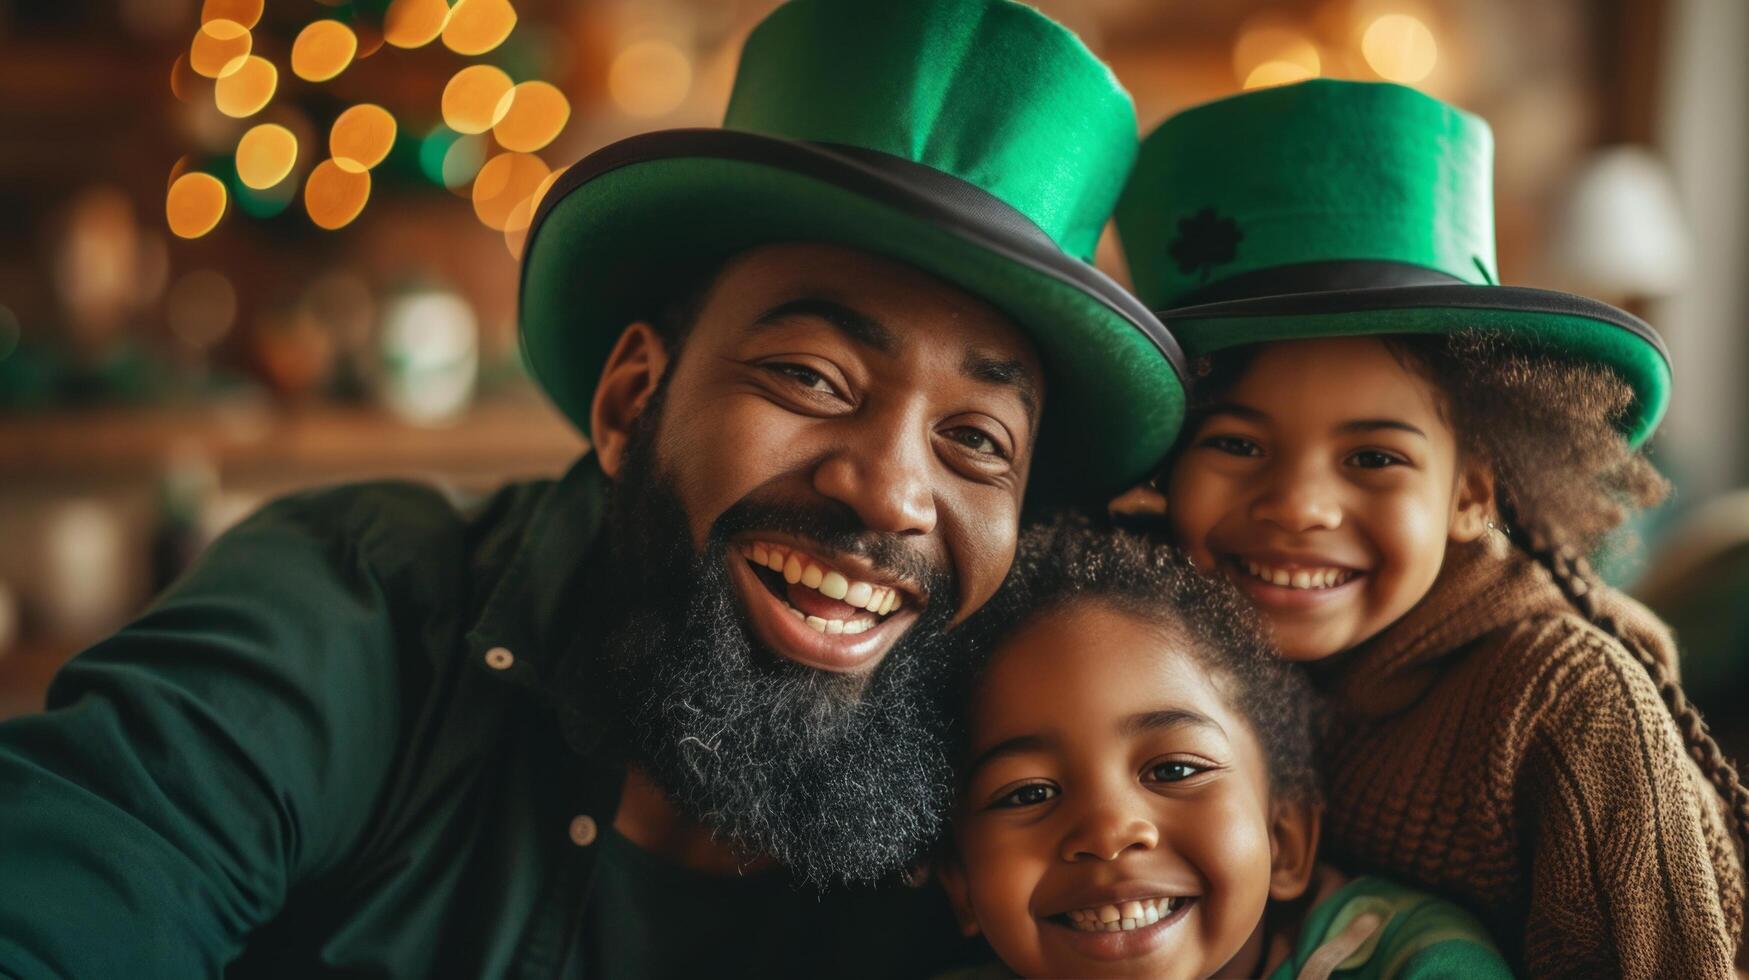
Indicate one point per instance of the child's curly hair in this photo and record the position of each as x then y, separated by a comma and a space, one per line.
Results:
1067, 559
1547, 426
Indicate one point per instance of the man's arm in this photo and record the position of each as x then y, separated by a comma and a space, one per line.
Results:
195, 765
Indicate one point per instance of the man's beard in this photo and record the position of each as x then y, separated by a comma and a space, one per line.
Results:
839, 777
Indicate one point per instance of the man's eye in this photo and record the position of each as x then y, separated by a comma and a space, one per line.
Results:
1373, 459
806, 377
976, 440
1031, 794
1232, 445
1171, 772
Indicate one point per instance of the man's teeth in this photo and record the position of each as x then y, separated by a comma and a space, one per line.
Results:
1124, 916
1298, 578
798, 569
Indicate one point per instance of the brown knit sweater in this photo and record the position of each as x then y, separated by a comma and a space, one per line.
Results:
1495, 746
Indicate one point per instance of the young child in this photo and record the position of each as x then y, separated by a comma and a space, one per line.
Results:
1136, 790
1399, 462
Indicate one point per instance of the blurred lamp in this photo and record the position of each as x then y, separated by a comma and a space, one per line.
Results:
1621, 232
430, 356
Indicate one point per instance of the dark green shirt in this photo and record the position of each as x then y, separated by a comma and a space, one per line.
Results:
324, 753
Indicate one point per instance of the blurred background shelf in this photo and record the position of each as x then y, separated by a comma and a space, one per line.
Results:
253, 441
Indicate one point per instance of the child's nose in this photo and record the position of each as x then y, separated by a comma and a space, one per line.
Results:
1108, 833
1297, 499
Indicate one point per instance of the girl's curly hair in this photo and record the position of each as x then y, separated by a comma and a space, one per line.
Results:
1547, 426
1068, 559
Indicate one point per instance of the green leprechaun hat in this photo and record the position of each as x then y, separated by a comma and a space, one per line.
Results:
974, 139
1331, 208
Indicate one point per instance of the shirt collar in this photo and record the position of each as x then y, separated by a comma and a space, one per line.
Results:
530, 609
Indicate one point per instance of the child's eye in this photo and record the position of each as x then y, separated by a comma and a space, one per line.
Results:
1232, 445
1030, 794
1374, 459
1171, 772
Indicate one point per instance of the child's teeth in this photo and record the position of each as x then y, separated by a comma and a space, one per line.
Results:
1317, 578
1121, 917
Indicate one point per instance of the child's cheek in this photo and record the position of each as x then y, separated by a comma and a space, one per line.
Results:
1003, 870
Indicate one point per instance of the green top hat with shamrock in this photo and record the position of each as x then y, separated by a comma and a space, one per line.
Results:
974, 139
1331, 208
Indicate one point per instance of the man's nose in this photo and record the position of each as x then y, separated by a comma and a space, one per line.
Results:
1299, 496
1107, 832
884, 469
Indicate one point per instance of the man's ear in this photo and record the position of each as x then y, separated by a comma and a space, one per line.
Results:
629, 378
1293, 848
953, 881
1472, 505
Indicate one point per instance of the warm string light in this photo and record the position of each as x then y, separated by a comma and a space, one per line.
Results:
486, 150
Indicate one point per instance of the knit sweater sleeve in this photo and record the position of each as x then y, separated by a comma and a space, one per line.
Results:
1623, 874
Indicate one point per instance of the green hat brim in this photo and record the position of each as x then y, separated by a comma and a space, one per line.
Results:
612, 233
1542, 319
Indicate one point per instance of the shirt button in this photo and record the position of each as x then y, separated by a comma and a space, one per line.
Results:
583, 830
499, 658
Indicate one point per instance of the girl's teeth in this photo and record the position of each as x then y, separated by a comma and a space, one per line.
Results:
1319, 578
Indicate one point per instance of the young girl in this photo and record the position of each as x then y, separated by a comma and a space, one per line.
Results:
1136, 792
1400, 462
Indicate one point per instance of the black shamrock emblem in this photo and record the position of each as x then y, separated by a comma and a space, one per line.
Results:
1205, 240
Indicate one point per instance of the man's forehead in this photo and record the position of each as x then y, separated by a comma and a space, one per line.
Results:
875, 298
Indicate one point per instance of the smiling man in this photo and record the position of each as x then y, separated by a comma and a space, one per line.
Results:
677, 711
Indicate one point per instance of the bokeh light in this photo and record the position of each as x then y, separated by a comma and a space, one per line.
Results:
462, 162
506, 180
334, 195
1270, 38
414, 23
370, 40
265, 155
247, 89
323, 50
1400, 48
649, 78
201, 308
195, 204
477, 26
361, 137
186, 83
1277, 73
533, 117
244, 12
473, 101
521, 217
267, 202
217, 46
